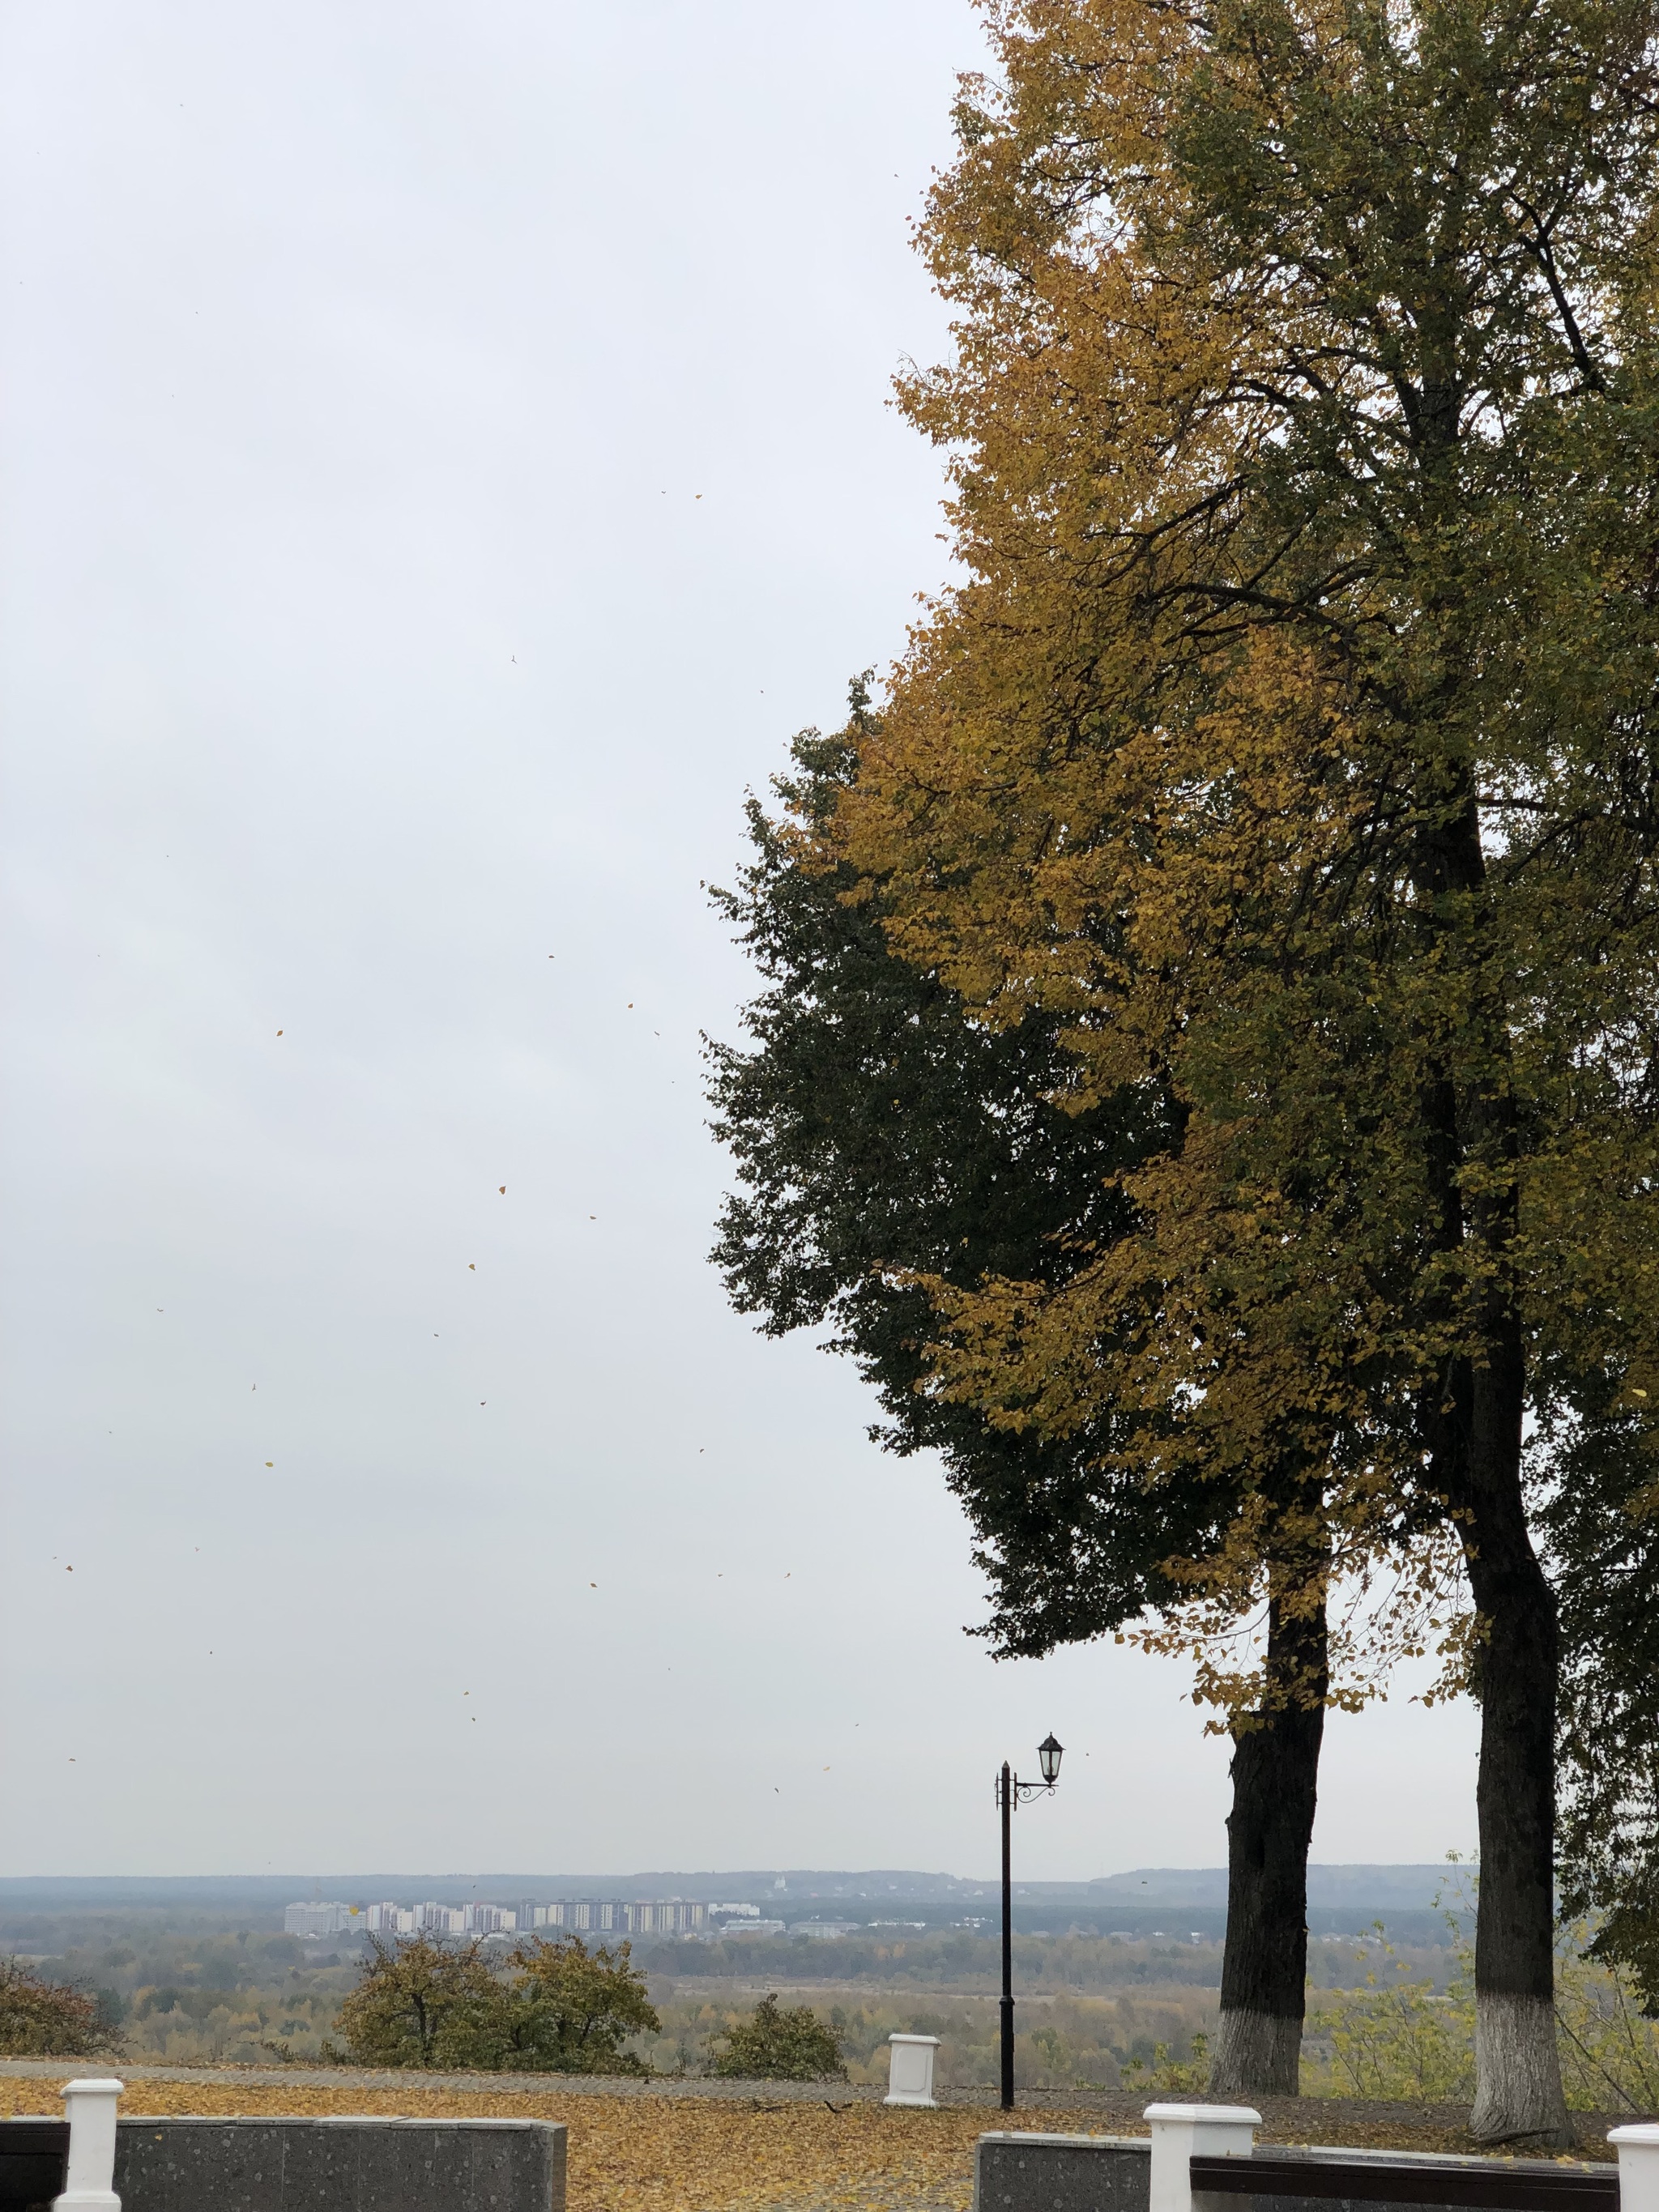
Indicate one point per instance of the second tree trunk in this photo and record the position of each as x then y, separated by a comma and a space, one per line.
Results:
1275, 1776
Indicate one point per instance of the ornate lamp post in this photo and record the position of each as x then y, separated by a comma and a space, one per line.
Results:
1010, 1791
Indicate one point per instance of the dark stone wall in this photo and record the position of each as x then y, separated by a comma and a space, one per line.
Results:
1106, 2173
344, 2164
1062, 2173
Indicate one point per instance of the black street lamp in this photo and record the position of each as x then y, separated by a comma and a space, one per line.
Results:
1010, 1791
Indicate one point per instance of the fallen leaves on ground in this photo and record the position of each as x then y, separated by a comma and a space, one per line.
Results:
690, 2154
656, 2154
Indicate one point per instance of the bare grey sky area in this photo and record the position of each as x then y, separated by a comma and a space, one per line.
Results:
447, 453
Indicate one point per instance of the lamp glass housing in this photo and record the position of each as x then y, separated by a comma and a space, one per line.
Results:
1048, 1756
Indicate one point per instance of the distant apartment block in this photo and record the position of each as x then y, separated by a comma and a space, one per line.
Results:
662, 1916
316, 1919
824, 1931
605, 1916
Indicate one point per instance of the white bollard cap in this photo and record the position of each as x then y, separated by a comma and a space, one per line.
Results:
1213, 2116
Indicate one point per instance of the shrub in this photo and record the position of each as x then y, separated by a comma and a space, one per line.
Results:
1165, 2077
46, 2019
1609, 2051
1394, 2040
781, 2047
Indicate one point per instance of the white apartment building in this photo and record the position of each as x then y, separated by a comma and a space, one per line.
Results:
315, 1919
670, 1915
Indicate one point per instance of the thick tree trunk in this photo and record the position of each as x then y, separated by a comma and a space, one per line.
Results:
1275, 1776
1472, 1425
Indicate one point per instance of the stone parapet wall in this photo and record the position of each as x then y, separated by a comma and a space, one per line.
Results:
1022, 2172
348, 2164
1062, 2173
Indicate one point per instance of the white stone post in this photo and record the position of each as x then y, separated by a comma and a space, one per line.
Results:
89, 2184
910, 2071
1212, 2131
1639, 2165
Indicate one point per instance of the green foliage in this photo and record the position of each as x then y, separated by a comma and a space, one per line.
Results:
557, 2008
40, 2019
1610, 2050
1163, 2076
1393, 2038
778, 2046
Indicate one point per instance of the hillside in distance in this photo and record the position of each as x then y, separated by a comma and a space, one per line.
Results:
1332, 1887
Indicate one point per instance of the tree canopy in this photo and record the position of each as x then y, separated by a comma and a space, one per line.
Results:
880, 1135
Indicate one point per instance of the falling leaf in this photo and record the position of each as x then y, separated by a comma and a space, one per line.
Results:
503, 1190
271, 1462
473, 1266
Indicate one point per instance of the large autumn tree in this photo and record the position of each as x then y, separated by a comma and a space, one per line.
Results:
1292, 742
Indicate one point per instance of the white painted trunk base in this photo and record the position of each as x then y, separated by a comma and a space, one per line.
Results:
1517, 2073
1257, 2054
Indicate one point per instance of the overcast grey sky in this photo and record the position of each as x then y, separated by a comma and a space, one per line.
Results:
446, 452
